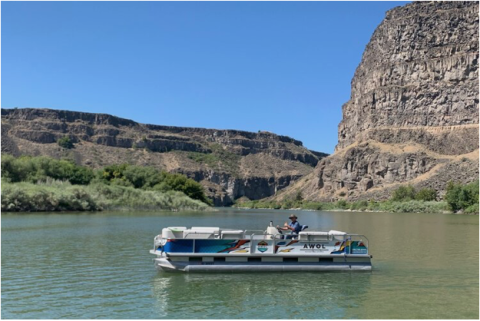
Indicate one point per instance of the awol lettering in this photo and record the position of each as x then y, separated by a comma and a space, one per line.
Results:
314, 246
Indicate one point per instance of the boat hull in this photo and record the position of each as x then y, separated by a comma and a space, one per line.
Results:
165, 264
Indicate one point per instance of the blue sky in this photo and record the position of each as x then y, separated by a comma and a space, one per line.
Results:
283, 67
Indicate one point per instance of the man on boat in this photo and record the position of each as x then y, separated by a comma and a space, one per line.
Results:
294, 226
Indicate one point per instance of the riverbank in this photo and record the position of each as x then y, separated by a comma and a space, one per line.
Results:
458, 199
41, 184
360, 206
63, 196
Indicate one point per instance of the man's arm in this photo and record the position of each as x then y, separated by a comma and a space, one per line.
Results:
285, 227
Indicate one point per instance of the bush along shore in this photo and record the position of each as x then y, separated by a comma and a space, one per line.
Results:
47, 184
458, 199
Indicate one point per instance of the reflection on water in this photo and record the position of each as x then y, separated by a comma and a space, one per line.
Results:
98, 266
264, 295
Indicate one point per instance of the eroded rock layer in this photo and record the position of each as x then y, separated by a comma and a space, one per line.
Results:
420, 68
230, 163
413, 111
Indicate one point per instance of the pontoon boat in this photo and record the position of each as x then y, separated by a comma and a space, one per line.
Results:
202, 249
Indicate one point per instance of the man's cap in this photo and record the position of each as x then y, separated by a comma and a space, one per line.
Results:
293, 216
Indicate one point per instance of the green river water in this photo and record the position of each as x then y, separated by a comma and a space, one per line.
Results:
97, 265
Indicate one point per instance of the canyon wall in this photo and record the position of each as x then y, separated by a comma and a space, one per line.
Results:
229, 163
412, 117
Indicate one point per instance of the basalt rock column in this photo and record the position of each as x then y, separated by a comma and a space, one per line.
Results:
413, 110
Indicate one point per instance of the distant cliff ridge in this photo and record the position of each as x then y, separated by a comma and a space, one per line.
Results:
230, 163
413, 112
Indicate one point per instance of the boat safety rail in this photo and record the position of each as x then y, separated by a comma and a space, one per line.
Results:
341, 237
357, 237
277, 237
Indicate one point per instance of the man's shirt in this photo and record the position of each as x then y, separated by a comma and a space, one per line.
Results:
296, 227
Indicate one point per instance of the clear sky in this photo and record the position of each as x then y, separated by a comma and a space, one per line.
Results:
283, 67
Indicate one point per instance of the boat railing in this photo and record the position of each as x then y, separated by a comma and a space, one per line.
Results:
263, 235
360, 238
280, 237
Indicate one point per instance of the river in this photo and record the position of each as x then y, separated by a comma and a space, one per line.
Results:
97, 265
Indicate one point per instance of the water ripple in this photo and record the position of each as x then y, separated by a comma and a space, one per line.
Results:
87, 266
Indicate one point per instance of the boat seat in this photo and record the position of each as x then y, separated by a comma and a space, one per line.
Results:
233, 234
206, 229
337, 235
192, 234
173, 232
314, 236
201, 233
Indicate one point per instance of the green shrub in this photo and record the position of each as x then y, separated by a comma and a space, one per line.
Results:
62, 196
472, 209
460, 197
218, 159
142, 176
181, 183
34, 169
299, 196
287, 204
413, 206
59, 196
111, 172
121, 182
203, 158
403, 193
359, 205
342, 204
426, 194
39, 169
65, 142
147, 177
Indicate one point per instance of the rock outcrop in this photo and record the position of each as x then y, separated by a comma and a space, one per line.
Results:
413, 111
230, 163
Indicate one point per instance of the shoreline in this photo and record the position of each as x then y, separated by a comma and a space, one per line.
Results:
367, 210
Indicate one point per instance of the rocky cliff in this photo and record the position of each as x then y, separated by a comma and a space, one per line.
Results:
413, 112
230, 163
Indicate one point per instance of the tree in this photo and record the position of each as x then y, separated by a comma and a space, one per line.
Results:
460, 197
299, 196
404, 193
34, 169
65, 142
426, 194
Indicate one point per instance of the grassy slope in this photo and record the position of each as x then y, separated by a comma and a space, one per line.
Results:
62, 196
